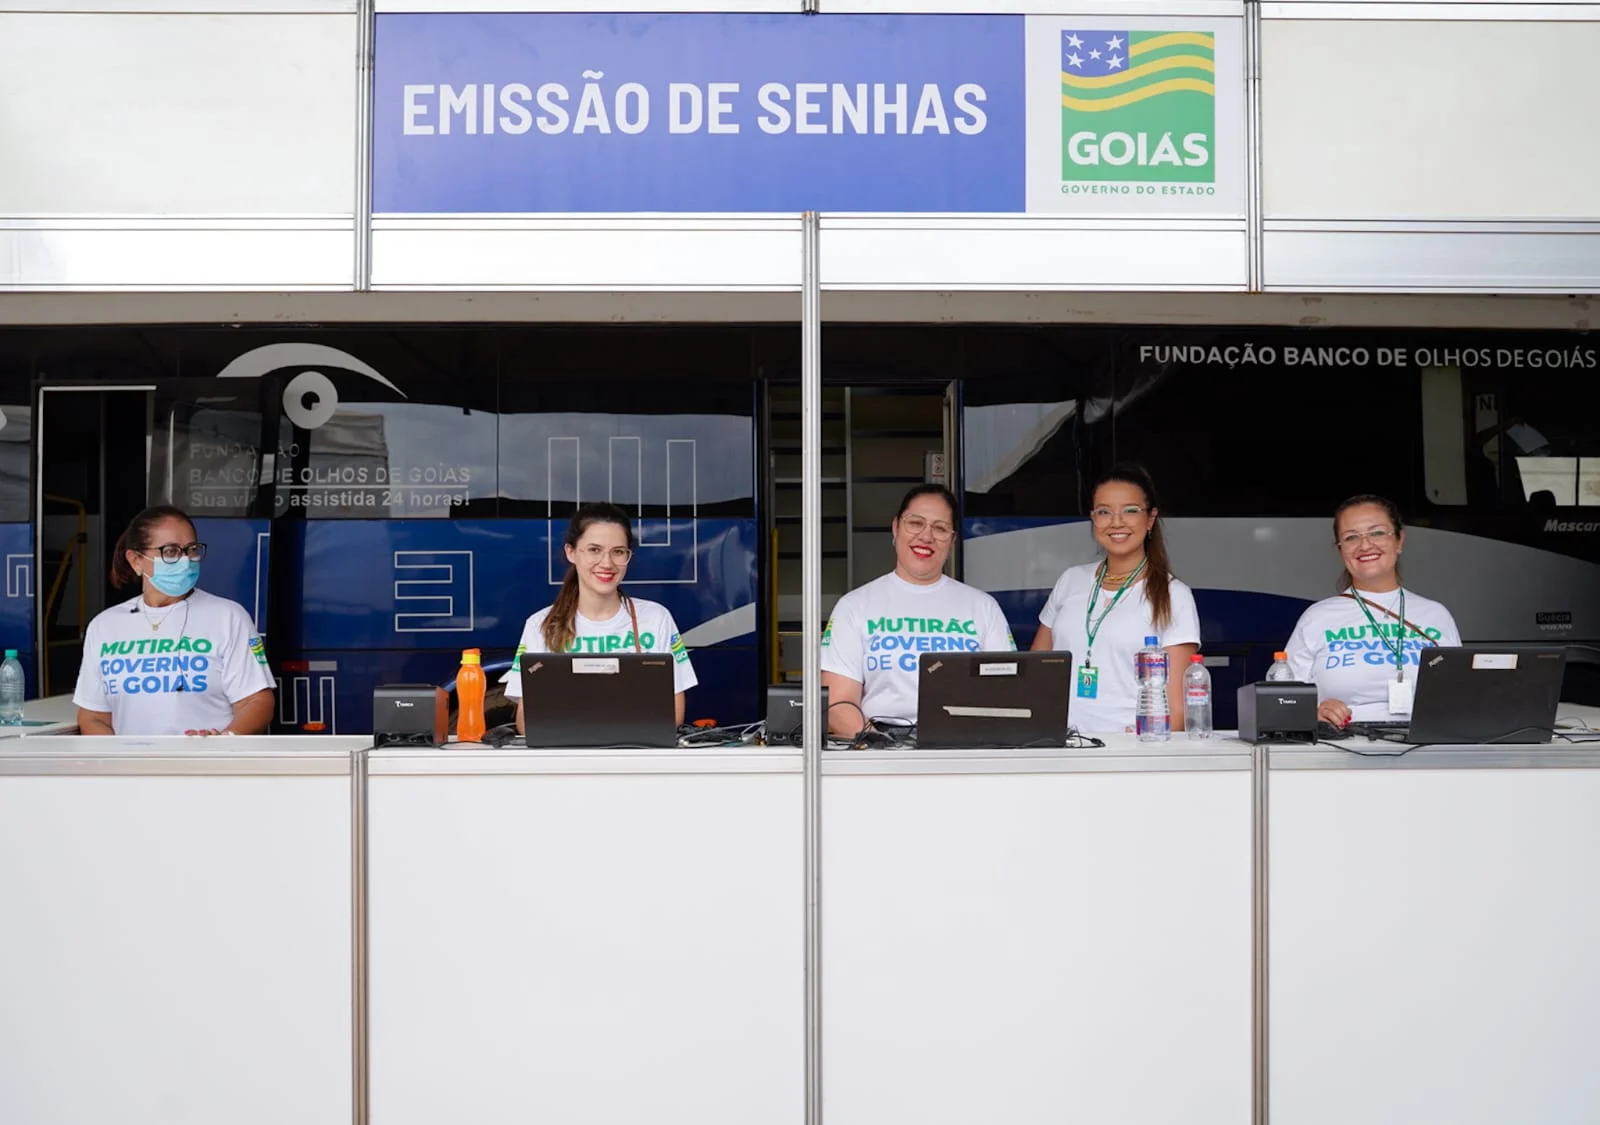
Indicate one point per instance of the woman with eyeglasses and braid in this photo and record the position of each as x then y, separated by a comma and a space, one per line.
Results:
1362, 647
175, 659
1101, 612
592, 614
872, 646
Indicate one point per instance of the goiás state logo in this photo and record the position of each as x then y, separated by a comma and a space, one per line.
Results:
1138, 107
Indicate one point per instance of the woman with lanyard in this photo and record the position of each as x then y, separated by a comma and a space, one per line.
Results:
1361, 647
175, 659
1102, 612
592, 614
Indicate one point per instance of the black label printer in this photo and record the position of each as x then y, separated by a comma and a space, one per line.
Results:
1278, 711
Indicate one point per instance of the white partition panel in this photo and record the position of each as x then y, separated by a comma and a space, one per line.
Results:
1429, 147
1034, 253
1023, 944
1433, 938
577, 938
178, 149
175, 941
674, 252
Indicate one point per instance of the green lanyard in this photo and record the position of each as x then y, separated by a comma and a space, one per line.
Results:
1399, 648
1091, 627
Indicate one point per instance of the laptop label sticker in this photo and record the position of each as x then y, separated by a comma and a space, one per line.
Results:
1504, 661
597, 665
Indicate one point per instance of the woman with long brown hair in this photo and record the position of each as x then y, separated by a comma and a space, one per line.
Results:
592, 614
1101, 612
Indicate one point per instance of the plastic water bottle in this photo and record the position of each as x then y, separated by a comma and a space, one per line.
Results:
1197, 699
13, 686
470, 690
1152, 716
1280, 667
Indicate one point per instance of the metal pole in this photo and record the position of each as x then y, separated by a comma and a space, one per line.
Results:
366, 28
1254, 187
815, 722
1260, 779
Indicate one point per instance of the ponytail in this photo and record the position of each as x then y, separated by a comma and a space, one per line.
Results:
1158, 577
136, 537
561, 623
1157, 567
122, 574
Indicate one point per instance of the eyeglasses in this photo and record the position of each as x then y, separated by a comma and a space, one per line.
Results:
916, 525
1377, 537
171, 552
1128, 511
594, 553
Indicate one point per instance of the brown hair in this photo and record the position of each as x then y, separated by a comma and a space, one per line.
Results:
1346, 580
136, 537
1157, 569
561, 623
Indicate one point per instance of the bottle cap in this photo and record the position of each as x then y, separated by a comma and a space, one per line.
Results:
471, 656
1150, 640
1280, 656
11, 654
1196, 658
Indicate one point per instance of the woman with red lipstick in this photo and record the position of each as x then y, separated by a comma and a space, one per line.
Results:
1362, 646
1102, 612
874, 641
592, 614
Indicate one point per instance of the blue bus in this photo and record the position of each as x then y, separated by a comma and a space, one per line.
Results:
381, 498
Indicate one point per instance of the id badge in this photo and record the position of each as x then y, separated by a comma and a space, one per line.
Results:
1088, 681
1399, 697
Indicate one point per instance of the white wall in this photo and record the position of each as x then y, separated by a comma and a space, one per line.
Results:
1447, 150
178, 149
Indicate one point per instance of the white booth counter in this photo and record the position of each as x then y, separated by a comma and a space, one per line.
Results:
1434, 935
175, 934
1038, 936
56, 714
586, 936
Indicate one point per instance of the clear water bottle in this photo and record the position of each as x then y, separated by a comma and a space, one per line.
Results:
1280, 667
1152, 716
1197, 699
13, 685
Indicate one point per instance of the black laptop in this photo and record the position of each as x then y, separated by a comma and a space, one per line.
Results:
1486, 694
623, 700
785, 713
993, 700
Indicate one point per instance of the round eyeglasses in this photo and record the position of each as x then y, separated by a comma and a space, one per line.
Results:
594, 554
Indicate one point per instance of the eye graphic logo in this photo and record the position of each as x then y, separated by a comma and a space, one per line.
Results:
310, 398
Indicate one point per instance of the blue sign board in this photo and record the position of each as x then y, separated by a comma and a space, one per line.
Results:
698, 112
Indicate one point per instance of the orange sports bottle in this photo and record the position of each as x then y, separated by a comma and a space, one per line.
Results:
470, 687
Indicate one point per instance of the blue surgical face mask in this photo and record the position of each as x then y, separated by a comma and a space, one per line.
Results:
175, 579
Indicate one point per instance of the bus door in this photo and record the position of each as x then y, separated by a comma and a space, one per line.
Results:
105, 450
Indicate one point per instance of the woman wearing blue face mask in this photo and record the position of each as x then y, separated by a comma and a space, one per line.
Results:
175, 659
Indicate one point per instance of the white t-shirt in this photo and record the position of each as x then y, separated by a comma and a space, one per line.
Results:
180, 667
879, 631
1120, 636
1333, 646
657, 633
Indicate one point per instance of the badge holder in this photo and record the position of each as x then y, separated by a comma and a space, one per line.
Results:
1088, 681
1399, 697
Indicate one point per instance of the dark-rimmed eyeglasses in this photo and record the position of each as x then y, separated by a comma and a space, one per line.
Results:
172, 552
